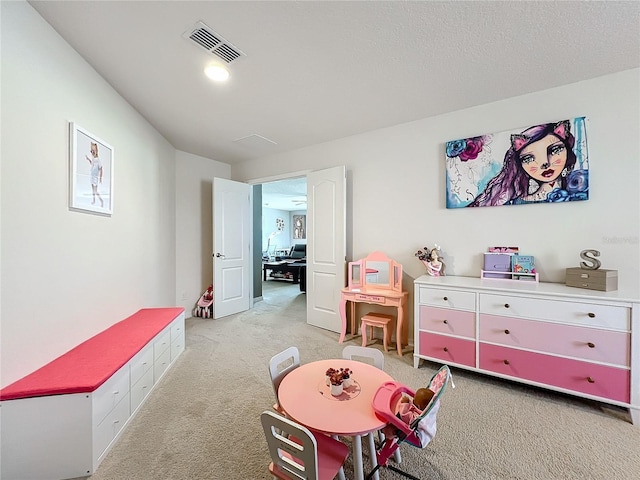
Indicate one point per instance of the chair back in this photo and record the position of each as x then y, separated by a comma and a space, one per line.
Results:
292, 447
364, 354
297, 454
281, 364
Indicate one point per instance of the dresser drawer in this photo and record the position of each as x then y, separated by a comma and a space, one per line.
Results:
141, 389
177, 347
142, 362
584, 377
576, 313
447, 298
361, 297
447, 321
106, 431
161, 344
177, 330
110, 393
161, 364
448, 349
568, 340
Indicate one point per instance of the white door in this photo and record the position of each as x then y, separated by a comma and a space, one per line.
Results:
231, 247
326, 246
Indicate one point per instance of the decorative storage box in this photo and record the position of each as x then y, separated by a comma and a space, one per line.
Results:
601, 279
497, 262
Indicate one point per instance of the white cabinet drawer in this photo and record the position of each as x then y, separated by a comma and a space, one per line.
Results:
141, 389
106, 431
562, 311
161, 364
161, 344
177, 330
110, 394
177, 347
142, 362
446, 298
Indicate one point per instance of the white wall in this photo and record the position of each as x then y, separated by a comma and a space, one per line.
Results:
67, 275
396, 185
194, 225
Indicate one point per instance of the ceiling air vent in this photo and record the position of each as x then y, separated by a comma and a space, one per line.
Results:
213, 43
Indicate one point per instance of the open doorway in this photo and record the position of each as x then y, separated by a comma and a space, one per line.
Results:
283, 239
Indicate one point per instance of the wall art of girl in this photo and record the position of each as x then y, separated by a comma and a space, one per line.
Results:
539, 166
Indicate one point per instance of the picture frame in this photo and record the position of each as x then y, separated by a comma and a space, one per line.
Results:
539, 164
91, 162
299, 227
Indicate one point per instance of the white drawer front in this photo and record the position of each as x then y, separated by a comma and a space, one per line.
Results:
177, 329
161, 344
445, 298
141, 363
564, 311
177, 347
106, 431
161, 364
141, 389
110, 394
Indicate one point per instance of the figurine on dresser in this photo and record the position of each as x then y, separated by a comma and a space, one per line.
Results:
431, 259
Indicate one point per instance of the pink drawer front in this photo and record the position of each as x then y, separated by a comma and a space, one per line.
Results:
447, 321
568, 340
598, 380
448, 349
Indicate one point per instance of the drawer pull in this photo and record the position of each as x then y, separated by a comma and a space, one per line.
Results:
591, 345
445, 349
590, 380
117, 392
591, 315
506, 362
507, 331
506, 305
445, 298
445, 321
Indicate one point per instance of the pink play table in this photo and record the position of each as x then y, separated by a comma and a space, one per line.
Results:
305, 397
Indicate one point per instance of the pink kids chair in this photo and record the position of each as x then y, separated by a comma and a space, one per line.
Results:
384, 404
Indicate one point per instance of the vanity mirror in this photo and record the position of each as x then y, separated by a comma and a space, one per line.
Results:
375, 271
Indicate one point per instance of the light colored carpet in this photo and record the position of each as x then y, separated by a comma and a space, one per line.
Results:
202, 420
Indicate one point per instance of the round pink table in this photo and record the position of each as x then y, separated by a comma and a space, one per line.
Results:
305, 397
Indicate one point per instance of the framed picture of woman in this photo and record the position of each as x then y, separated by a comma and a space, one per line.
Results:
545, 163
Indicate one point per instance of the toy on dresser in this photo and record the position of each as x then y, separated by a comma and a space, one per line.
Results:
431, 259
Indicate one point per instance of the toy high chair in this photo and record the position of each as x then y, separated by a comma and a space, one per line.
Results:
384, 404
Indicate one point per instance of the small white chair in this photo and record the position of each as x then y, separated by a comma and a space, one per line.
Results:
296, 453
364, 354
279, 366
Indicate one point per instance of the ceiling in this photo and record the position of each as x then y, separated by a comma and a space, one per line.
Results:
315, 71
289, 194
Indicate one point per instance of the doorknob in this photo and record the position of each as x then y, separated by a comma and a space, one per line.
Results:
219, 255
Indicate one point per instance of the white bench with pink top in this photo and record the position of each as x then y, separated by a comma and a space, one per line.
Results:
60, 421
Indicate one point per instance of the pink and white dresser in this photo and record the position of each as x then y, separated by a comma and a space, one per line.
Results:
581, 342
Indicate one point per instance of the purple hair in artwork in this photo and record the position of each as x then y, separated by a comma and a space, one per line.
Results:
512, 182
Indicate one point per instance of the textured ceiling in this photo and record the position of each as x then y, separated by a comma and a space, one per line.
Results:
318, 71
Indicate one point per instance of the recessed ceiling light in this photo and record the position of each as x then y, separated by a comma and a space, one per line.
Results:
217, 73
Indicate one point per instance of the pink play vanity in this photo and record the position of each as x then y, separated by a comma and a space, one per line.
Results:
377, 280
